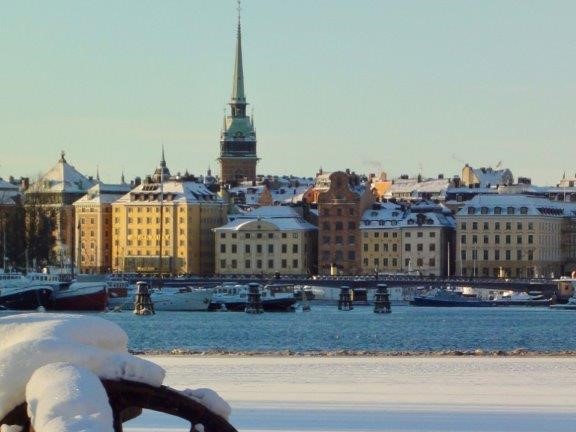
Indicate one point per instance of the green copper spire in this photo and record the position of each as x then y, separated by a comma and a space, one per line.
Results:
238, 83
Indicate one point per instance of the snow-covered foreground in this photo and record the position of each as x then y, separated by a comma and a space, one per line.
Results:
380, 394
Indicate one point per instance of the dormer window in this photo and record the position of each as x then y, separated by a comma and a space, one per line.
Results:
523, 210
471, 210
510, 210
497, 210
484, 210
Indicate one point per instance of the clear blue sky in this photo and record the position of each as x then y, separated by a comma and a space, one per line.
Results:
406, 85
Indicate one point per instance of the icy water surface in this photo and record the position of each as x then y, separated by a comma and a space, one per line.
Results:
325, 328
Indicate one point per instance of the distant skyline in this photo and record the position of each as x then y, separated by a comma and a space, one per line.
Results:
407, 87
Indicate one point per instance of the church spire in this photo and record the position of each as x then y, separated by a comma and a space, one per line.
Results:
238, 95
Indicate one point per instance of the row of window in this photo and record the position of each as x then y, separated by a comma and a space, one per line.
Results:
259, 264
497, 225
338, 226
338, 256
496, 255
337, 212
393, 262
407, 234
497, 239
497, 210
259, 248
407, 247
234, 235
339, 240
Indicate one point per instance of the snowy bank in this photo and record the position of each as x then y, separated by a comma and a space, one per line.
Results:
359, 394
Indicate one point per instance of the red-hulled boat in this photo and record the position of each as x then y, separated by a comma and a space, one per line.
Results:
80, 296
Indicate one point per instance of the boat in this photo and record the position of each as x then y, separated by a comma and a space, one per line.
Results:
23, 292
121, 293
80, 296
122, 296
181, 298
449, 298
530, 298
567, 285
234, 297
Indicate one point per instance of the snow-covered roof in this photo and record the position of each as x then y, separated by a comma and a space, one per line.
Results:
515, 205
412, 186
288, 195
390, 215
282, 217
8, 192
62, 178
102, 193
172, 191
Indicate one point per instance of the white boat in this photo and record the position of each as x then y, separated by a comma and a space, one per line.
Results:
181, 298
122, 297
234, 297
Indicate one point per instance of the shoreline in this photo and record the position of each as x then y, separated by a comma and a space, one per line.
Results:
355, 353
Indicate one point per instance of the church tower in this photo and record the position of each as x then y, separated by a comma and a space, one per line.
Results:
238, 138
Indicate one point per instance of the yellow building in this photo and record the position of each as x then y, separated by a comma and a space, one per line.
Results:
166, 227
93, 213
268, 240
513, 236
401, 239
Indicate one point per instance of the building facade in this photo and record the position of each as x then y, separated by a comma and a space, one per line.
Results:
164, 226
93, 214
513, 236
54, 194
238, 157
266, 241
413, 240
341, 204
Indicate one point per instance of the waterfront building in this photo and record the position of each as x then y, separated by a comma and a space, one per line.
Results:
415, 239
342, 198
267, 241
93, 214
164, 225
55, 193
514, 236
238, 157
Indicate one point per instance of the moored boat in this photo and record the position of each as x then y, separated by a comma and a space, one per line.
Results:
24, 292
179, 298
449, 298
80, 296
29, 297
234, 297
567, 285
